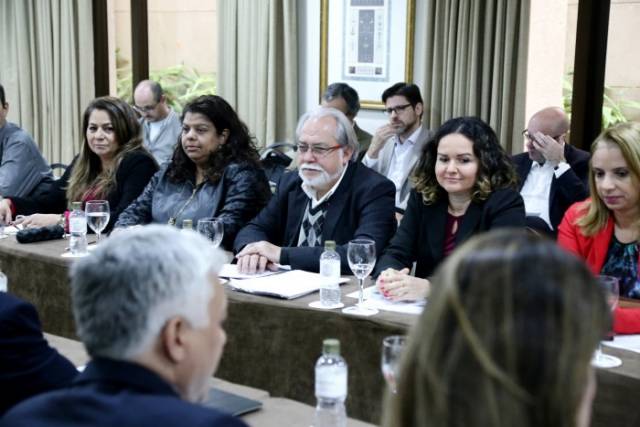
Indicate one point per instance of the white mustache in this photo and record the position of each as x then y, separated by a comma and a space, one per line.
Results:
307, 166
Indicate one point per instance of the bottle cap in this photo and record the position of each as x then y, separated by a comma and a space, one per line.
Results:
330, 245
331, 346
187, 224
76, 206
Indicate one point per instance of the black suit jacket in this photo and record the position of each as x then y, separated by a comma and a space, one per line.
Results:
28, 365
571, 187
361, 208
115, 393
420, 237
132, 175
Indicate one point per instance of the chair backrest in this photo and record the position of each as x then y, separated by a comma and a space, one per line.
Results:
58, 169
275, 162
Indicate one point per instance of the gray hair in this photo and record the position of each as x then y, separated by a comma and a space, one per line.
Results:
346, 92
124, 292
345, 135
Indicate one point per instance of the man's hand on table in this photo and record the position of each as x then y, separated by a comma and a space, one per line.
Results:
257, 257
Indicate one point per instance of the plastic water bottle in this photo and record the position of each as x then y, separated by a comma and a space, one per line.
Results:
77, 230
330, 267
3, 282
331, 386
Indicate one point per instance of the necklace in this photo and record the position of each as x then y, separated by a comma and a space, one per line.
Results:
173, 218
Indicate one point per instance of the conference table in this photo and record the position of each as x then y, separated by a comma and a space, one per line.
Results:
273, 410
273, 344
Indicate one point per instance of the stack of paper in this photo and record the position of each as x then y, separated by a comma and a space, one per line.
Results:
374, 299
288, 285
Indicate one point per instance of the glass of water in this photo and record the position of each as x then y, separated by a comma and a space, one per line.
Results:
361, 254
611, 289
98, 213
212, 229
392, 348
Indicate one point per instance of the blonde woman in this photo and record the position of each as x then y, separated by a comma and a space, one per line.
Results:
605, 229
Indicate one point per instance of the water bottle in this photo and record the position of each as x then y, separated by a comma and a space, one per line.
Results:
330, 267
77, 230
331, 386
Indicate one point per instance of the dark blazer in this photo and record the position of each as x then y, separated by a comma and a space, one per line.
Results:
28, 365
571, 187
421, 234
115, 393
132, 175
361, 207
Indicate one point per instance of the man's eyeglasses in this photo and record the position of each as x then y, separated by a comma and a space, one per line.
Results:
145, 109
398, 109
530, 137
316, 150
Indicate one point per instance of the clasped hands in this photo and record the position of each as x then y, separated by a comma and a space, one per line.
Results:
257, 257
399, 285
35, 220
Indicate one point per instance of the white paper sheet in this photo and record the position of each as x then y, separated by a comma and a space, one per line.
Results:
625, 342
374, 299
288, 285
231, 271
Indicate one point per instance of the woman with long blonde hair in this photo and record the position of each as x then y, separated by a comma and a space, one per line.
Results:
605, 229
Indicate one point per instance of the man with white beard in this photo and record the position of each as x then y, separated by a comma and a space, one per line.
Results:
330, 197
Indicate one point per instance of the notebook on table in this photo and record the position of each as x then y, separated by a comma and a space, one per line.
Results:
231, 403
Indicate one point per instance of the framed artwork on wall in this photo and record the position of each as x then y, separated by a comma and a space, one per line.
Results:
367, 44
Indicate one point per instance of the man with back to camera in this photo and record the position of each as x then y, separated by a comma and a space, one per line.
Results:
396, 147
343, 97
149, 309
22, 167
329, 197
161, 126
28, 365
553, 174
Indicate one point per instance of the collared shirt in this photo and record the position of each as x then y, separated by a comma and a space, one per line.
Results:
537, 188
312, 193
400, 161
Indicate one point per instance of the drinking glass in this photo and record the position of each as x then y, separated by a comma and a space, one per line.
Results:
212, 229
98, 213
361, 254
610, 286
392, 348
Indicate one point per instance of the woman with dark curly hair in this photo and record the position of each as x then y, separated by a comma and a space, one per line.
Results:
112, 165
214, 172
464, 184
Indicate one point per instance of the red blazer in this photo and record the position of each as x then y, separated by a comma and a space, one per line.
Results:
593, 249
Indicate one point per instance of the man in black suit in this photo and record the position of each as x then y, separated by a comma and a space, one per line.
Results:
330, 197
149, 309
28, 365
553, 174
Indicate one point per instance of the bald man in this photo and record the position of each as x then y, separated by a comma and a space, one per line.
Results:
553, 174
161, 125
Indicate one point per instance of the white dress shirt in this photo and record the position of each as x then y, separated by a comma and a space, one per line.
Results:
400, 161
537, 188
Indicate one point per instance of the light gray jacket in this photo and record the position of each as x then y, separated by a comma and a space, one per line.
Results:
22, 167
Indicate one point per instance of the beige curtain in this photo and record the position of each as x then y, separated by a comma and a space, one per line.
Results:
257, 65
476, 63
47, 70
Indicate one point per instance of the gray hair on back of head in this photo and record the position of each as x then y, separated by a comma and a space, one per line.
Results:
125, 291
345, 135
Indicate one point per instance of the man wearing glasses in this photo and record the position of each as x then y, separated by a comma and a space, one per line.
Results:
553, 174
330, 197
161, 125
396, 146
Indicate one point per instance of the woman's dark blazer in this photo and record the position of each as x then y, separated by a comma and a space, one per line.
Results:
421, 234
132, 175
